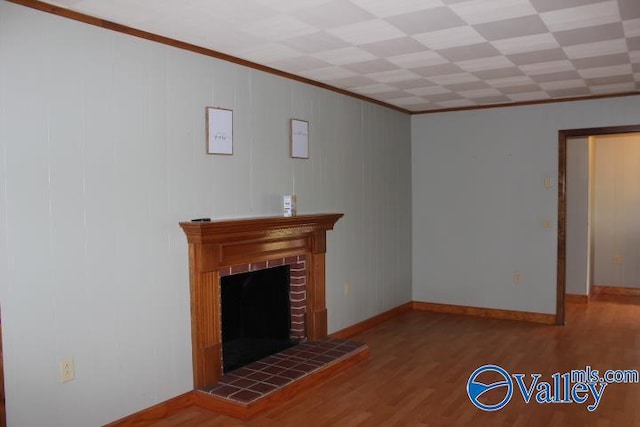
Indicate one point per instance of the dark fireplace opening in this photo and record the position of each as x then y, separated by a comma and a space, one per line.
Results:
256, 316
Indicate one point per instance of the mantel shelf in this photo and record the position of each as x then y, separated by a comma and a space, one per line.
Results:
228, 229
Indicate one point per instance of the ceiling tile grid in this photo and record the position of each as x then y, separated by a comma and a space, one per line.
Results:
419, 55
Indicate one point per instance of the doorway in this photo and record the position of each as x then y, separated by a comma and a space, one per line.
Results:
563, 139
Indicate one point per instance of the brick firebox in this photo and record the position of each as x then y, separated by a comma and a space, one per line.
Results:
216, 247
297, 288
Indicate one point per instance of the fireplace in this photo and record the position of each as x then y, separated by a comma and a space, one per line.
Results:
218, 249
256, 315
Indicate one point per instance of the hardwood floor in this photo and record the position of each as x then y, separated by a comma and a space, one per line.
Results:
420, 364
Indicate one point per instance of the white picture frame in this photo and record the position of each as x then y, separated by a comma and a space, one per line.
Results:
299, 139
219, 130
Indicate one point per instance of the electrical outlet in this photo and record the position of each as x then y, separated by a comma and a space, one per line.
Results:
517, 278
67, 371
546, 223
617, 259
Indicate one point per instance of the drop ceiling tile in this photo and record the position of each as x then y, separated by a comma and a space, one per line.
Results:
591, 34
549, 5
601, 61
529, 96
371, 66
345, 55
298, 64
407, 100
457, 103
559, 75
288, 6
333, 14
614, 88
498, 73
426, 20
611, 80
569, 92
315, 42
465, 86
482, 64
633, 43
328, 73
602, 48
469, 52
407, 85
488, 100
269, 52
393, 47
385, 8
547, 67
366, 32
392, 76
234, 13
582, 16
631, 28
451, 79
635, 57
563, 84
392, 94
481, 11
424, 58
438, 70
609, 71
373, 89
351, 82
629, 8
428, 91
443, 97
548, 55
67, 3
512, 28
218, 36
524, 44
452, 37
278, 27
480, 93
516, 81
521, 89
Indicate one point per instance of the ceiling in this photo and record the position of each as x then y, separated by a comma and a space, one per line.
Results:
418, 55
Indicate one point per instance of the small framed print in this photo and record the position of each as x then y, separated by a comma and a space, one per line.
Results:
219, 130
299, 139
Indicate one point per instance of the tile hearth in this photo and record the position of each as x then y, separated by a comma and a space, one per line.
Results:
267, 376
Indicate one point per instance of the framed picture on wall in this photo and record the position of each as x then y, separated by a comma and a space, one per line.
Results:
299, 139
219, 130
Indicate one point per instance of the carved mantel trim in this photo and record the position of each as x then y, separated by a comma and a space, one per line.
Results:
218, 244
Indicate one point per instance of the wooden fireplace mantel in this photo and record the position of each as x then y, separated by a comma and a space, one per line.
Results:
218, 244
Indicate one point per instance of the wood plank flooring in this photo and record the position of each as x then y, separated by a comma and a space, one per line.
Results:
420, 363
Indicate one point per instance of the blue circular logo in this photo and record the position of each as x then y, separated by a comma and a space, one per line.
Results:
475, 389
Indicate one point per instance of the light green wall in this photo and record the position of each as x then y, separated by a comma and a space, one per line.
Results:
479, 200
102, 153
